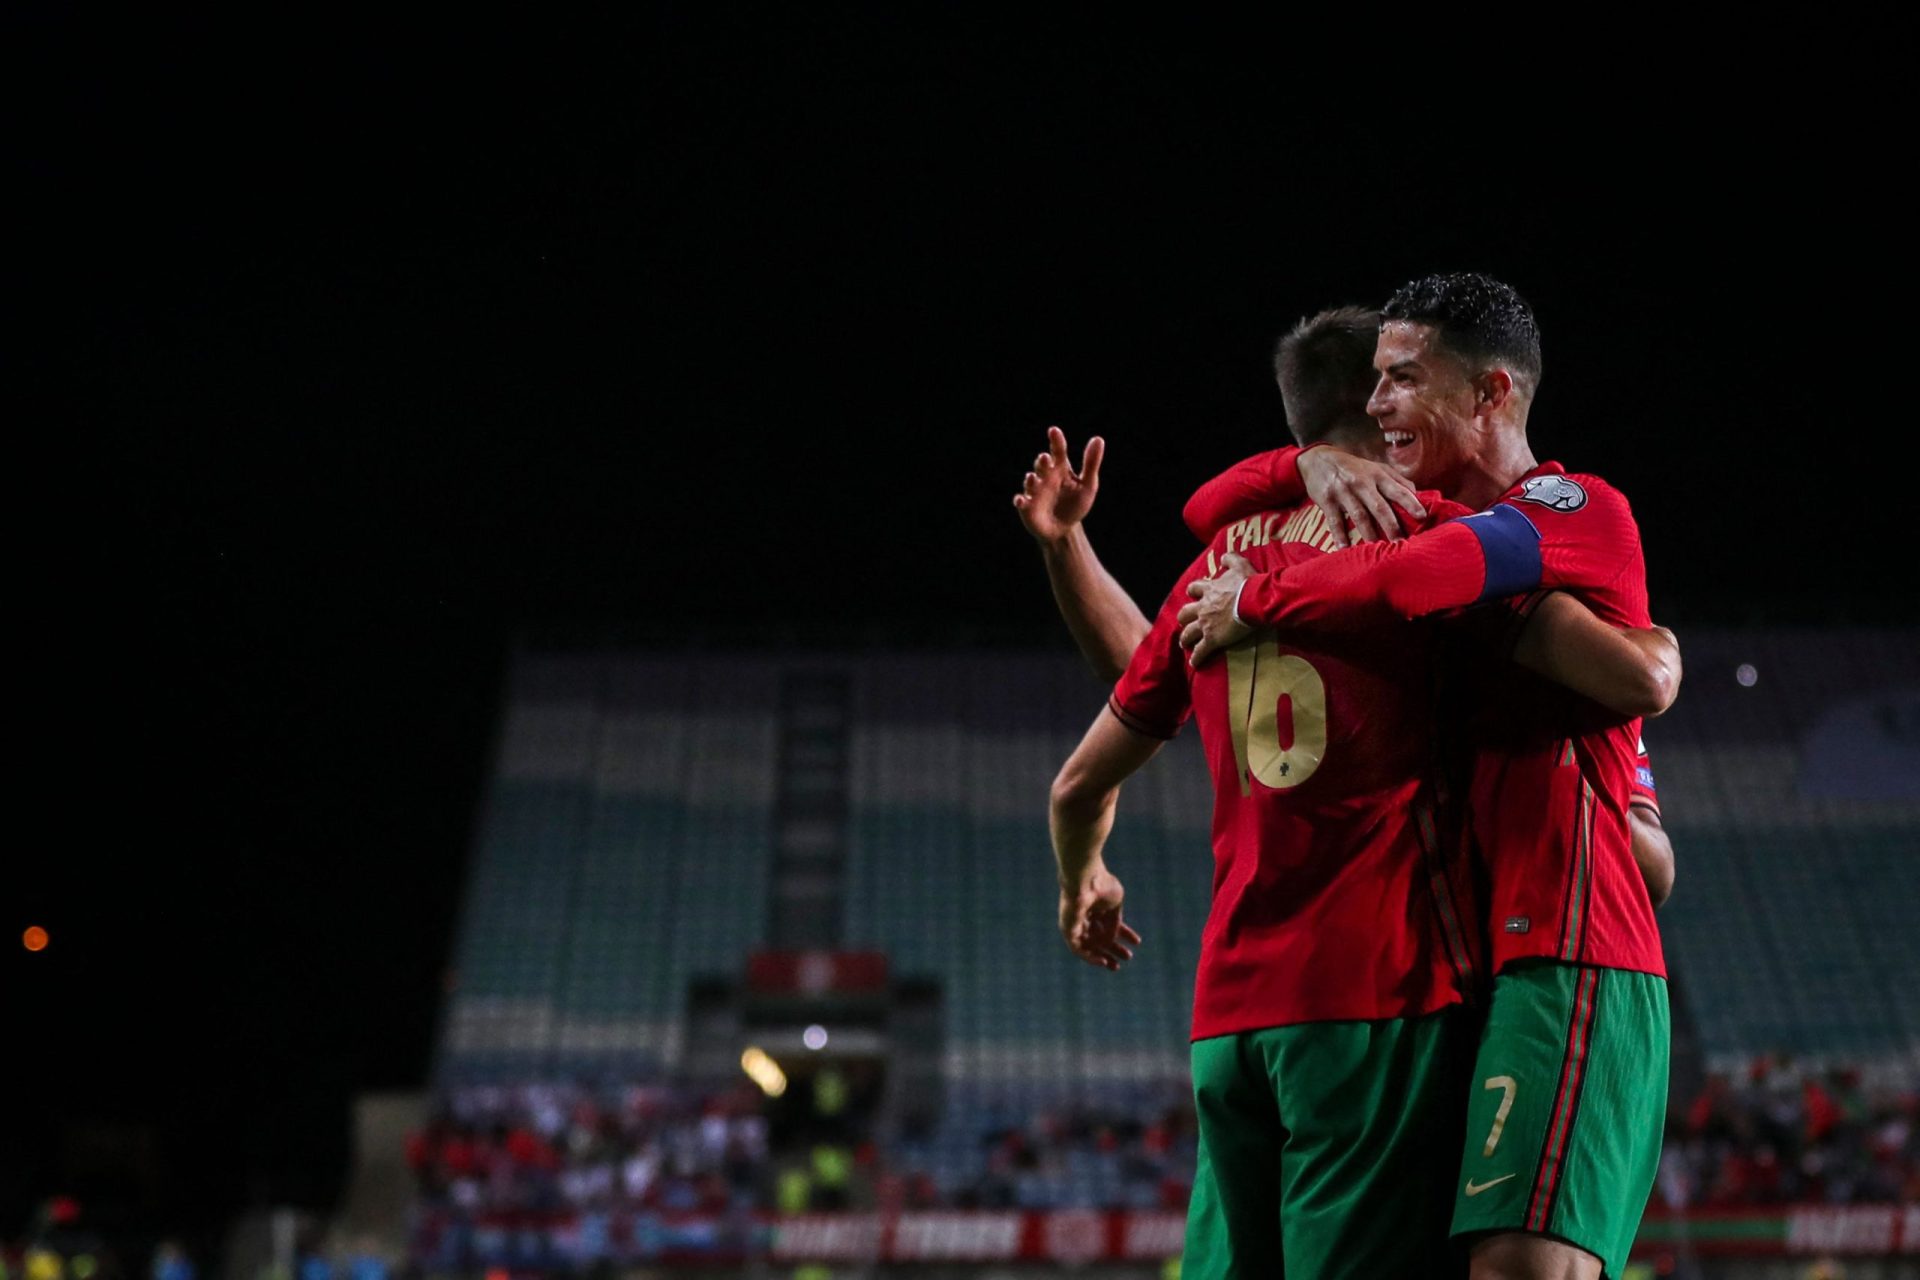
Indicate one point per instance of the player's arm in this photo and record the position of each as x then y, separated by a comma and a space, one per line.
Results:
1441, 568
1490, 555
1152, 699
1080, 815
1652, 850
1357, 495
1053, 503
1260, 483
1635, 672
1106, 624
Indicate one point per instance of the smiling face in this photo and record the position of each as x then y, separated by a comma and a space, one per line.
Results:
1429, 405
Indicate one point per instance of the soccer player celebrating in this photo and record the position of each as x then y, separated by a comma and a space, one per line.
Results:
1326, 1037
1571, 1074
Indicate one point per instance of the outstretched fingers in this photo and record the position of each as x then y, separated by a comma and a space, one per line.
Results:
1090, 461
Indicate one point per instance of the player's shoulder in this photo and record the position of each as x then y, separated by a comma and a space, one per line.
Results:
1553, 488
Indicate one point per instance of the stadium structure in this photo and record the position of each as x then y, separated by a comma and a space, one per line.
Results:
758, 973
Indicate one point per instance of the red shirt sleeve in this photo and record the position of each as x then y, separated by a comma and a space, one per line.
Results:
1155, 695
1550, 531
1589, 543
1264, 482
1641, 790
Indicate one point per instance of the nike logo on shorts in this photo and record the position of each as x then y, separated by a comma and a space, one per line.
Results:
1475, 1188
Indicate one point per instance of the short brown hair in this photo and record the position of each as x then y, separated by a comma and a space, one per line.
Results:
1325, 370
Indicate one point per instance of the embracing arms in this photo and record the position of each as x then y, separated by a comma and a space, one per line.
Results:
1635, 672
1358, 497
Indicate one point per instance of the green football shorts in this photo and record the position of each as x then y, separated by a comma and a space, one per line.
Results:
1328, 1149
1565, 1108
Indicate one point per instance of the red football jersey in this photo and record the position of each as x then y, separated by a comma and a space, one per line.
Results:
1331, 895
1548, 802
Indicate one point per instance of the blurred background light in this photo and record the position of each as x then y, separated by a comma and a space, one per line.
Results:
763, 1071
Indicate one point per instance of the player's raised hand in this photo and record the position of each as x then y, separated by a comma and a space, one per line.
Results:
1090, 921
1207, 625
1053, 496
1358, 496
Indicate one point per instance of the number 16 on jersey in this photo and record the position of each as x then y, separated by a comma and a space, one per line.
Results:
1277, 707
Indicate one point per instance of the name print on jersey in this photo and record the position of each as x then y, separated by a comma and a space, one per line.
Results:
1308, 525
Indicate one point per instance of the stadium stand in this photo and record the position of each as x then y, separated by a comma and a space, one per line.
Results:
952, 874
622, 850
632, 832
1792, 926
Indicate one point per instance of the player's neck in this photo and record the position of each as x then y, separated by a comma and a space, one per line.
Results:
1508, 457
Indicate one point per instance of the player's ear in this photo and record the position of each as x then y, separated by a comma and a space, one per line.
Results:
1492, 389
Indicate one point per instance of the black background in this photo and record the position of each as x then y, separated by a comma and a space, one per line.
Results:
352, 352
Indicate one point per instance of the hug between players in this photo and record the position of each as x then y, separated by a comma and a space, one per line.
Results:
1430, 1021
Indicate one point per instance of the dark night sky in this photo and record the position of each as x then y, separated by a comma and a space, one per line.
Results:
365, 349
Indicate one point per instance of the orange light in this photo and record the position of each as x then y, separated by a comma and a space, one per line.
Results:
34, 939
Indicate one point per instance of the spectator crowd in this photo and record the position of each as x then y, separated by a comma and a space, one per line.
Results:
527, 1171
541, 1147
1781, 1133
1078, 1156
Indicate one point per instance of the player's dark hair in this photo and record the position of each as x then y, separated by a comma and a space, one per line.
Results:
1325, 369
1477, 318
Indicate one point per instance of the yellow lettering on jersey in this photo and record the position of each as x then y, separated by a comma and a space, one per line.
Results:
1307, 525
1316, 529
1213, 566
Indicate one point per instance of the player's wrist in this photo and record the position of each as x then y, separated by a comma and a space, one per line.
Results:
1076, 884
1285, 469
1063, 544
